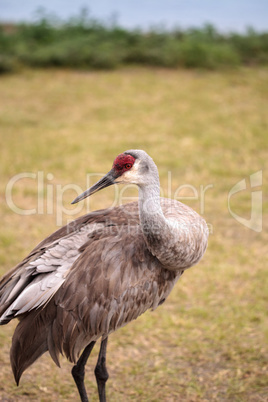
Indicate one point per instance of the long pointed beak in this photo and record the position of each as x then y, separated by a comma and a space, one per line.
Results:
106, 181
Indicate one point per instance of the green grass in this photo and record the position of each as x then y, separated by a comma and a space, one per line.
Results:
209, 340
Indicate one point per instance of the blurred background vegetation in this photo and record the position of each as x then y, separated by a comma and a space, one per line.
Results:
84, 42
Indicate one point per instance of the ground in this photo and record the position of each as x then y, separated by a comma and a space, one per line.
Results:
206, 131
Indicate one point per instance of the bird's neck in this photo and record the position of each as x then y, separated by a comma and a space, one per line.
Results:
155, 227
178, 243
151, 215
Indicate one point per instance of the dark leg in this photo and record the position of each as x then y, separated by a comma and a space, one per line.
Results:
101, 372
78, 371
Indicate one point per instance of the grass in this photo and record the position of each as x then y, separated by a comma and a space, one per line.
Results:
208, 342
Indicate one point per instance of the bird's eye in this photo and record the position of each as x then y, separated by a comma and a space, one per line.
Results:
128, 166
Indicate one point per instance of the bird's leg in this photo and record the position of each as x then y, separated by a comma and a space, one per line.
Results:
78, 371
101, 372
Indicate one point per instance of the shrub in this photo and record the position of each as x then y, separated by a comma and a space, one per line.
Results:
83, 42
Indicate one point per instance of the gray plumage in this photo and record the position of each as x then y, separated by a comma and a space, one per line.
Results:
102, 270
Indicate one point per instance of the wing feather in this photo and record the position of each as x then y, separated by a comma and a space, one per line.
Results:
84, 281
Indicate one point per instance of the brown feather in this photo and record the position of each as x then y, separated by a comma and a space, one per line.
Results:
102, 290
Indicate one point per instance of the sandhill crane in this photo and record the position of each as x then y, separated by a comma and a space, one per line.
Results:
99, 272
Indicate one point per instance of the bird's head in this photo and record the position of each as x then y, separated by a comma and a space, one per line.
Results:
131, 166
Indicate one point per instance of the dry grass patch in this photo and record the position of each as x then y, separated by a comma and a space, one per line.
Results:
209, 340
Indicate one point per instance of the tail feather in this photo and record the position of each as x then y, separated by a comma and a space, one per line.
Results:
29, 342
32, 338
53, 350
51, 329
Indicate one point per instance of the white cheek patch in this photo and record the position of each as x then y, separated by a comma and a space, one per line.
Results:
130, 176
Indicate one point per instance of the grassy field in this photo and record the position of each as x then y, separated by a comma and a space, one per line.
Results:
207, 130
